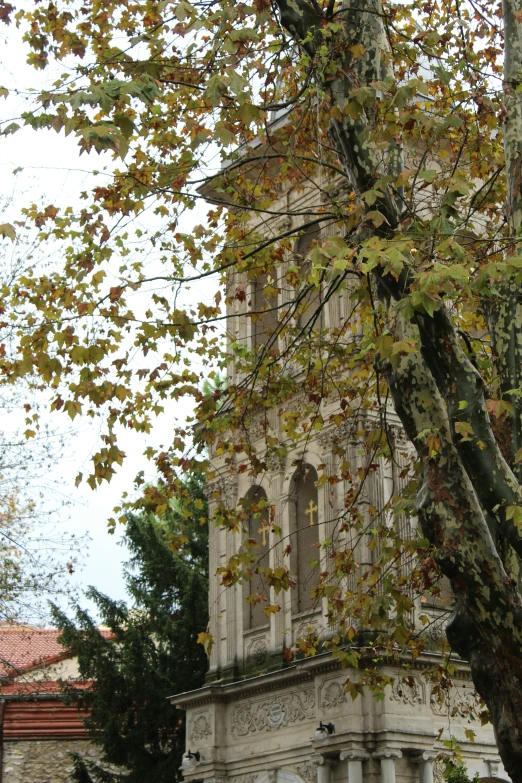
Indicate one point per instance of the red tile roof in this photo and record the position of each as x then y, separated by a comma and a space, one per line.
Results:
23, 648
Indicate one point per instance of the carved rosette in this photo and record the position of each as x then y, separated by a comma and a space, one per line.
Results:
273, 713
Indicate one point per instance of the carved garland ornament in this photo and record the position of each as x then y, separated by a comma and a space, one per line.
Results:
270, 714
408, 690
307, 771
333, 695
461, 702
200, 728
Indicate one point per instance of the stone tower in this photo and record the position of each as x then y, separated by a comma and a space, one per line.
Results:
260, 719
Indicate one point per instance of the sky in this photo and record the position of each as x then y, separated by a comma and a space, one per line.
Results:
46, 167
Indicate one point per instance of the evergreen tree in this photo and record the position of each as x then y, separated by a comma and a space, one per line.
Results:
153, 651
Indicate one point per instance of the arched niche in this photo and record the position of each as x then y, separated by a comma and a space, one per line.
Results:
258, 512
304, 536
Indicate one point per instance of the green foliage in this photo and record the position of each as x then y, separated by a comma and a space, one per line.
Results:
153, 651
455, 772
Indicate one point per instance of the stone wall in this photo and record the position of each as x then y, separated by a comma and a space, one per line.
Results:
43, 761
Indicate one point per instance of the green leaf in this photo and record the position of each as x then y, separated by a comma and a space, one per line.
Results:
428, 175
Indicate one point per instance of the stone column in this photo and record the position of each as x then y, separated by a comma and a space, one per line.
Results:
355, 758
324, 767
425, 761
387, 759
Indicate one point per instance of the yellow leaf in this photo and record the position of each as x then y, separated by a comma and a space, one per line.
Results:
357, 50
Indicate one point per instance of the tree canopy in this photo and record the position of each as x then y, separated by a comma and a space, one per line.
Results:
401, 123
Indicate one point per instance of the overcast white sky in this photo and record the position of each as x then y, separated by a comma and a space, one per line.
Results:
51, 170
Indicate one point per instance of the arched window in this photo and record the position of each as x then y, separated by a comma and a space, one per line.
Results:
304, 537
312, 299
264, 309
256, 502
304, 242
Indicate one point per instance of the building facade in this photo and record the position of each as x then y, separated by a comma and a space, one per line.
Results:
263, 718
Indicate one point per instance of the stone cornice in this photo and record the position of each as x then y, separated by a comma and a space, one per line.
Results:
300, 672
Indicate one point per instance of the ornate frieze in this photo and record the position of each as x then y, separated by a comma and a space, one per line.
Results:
273, 713
248, 778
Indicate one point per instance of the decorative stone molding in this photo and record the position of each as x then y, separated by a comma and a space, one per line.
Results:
247, 778
307, 771
257, 429
425, 760
355, 757
493, 767
222, 488
423, 756
331, 694
408, 690
296, 403
257, 650
458, 701
275, 463
387, 753
199, 727
354, 754
328, 439
273, 713
437, 629
438, 771
305, 628
321, 760
399, 438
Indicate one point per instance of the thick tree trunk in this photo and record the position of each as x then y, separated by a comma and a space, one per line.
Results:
504, 313
467, 488
486, 624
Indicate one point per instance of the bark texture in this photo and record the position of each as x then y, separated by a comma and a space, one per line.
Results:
467, 488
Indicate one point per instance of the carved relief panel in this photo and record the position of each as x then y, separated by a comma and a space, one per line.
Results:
273, 712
